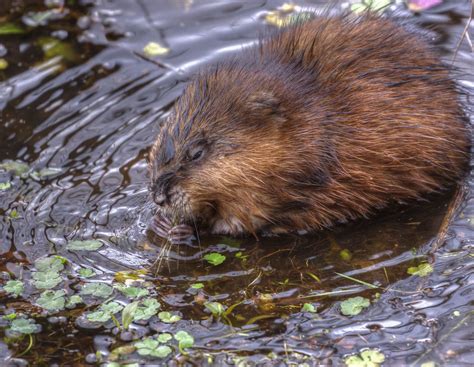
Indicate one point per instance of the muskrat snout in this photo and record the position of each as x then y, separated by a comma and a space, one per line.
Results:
170, 198
161, 188
159, 198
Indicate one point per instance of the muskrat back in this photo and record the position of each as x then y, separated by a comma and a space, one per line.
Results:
321, 122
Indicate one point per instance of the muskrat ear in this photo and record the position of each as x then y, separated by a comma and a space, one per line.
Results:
266, 103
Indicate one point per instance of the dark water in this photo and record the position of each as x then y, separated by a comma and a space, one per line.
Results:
89, 109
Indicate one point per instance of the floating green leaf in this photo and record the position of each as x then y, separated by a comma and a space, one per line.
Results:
97, 289
155, 49
370, 5
73, 301
5, 185
216, 308
366, 358
168, 317
354, 306
184, 339
48, 276
128, 313
88, 245
17, 168
46, 280
214, 258
147, 308
10, 316
52, 300
123, 276
308, 307
10, 28
99, 316
421, 270
162, 351
14, 287
240, 255
132, 292
14, 214
24, 326
52, 263
53, 47
151, 347
105, 312
146, 346
197, 286
3, 64
86, 272
345, 255
164, 338
118, 352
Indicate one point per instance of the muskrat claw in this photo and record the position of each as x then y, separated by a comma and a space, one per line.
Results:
178, 234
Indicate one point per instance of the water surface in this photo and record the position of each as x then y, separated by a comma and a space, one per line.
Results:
81, 99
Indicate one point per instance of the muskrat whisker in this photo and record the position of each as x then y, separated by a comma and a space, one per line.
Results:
170, 244
193, 218
175, 222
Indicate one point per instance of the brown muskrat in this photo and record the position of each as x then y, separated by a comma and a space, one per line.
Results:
321, 122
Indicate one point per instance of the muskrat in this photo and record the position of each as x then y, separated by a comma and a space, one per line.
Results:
322, 122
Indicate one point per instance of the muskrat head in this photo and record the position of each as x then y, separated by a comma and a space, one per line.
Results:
225, 155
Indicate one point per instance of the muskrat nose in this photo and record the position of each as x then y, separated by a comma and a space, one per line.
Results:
161, 187
159, 198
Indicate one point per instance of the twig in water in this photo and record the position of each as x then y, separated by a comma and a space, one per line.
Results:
465, 34
358, 281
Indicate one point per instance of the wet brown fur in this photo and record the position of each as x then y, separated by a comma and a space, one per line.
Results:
322, 122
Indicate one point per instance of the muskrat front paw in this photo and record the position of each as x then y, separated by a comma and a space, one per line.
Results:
179, 234
160, 226
182, 233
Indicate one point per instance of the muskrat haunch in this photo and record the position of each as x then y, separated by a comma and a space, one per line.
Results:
321, 122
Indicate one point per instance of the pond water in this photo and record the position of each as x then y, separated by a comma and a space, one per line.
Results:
80, 105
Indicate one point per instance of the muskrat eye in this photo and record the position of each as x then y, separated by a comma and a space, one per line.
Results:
195, 153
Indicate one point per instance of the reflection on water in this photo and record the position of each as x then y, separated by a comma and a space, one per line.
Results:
90, 110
